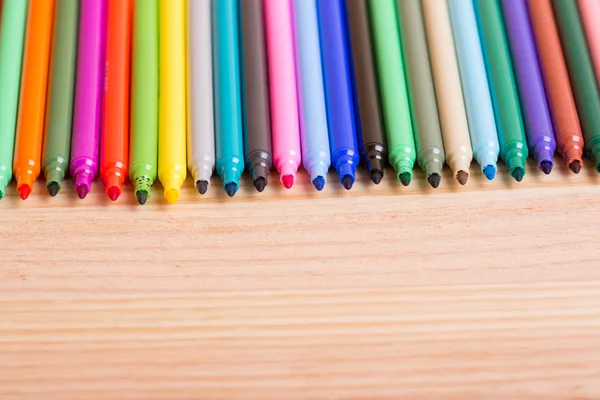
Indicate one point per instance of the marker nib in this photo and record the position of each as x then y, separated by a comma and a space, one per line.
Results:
489, 171
575, 166
202, 186
405, 178
82, 191
462, 177
231, 189
288, 181
24, 191
434, 180
260, 183
347, 182
142, 197
1, 194
53, 188
546, 166
113, 192
319, 183
376, 176
172, 195
518, 173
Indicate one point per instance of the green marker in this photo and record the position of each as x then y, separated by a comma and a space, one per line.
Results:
144, 97
503, 88
581, 73
393, 89
12, 35
57, 141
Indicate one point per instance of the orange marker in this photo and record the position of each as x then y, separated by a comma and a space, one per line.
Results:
114, 142
32, 104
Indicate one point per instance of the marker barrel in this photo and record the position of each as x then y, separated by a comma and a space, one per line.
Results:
57, 141
478, 103
144, 97
12, 37
228, 109
311, 93
449, 95
86, 112
201, 126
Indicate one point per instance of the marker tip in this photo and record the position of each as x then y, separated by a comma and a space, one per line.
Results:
24, 191
347, 182
434, 180
319, 183
53, 188
462, 177
489, 171
575, 166
172, 195
141, 196
376, 176
82, 191
202, 187
231, 189
113, 192
405, 178
288, 181
546, 166
260, 183
518, 173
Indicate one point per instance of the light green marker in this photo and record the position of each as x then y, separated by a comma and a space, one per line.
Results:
393, 89
57, 141
144, 98
12, 35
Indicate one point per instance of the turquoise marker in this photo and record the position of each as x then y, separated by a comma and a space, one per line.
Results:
12, 33
229, 142
478, 101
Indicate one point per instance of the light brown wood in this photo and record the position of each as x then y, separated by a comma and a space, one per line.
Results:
489, 291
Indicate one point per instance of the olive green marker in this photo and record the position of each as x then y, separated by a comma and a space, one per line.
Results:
144, 99
392, 88
57, 140
503, 88
12, 34
421, 92
581, 73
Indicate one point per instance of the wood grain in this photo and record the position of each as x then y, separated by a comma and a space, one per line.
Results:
488, 291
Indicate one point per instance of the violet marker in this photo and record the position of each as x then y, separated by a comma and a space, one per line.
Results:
86, 112
538, 125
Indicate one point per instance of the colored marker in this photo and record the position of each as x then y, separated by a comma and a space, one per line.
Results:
201, 124
446, 78
86, 112
12, 36
393, 88
228, 105
114, 140
311, 93
255, 90
540, 135
172, 167
32, 104
144, 99
285, 124
561, 104
507, 110
421, 93
371, 132
581, 73
478, 102
338, 90
59, 116
589, 10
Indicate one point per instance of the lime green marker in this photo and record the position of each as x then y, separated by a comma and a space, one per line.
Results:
57, 141
393, 89
144, 106
12, 34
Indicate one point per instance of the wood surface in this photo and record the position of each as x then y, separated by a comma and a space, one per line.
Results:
488, 291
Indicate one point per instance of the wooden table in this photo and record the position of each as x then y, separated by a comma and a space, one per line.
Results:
489, 291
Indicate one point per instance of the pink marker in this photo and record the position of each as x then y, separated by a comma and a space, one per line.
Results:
590, 15
86, 112
285, 126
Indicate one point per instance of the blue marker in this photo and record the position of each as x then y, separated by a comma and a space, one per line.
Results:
338, 90
478, 101
313, 113
229, 142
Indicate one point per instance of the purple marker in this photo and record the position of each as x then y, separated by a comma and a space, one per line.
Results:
540, 135
86, 113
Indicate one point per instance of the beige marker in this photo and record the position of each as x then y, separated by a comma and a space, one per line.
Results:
453, 117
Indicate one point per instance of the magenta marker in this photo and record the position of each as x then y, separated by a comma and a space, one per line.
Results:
86, 113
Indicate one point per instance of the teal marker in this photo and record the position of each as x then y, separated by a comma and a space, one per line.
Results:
12, 34
229, 141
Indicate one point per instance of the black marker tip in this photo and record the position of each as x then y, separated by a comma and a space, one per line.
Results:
231, 189
202, 186
376, 176
53, 188
260, 183
142, 197
434, 180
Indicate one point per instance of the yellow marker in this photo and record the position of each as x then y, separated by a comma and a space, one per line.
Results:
172, 103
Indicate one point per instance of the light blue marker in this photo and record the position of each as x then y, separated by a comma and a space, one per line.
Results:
314, 136
229, 141
478, 102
